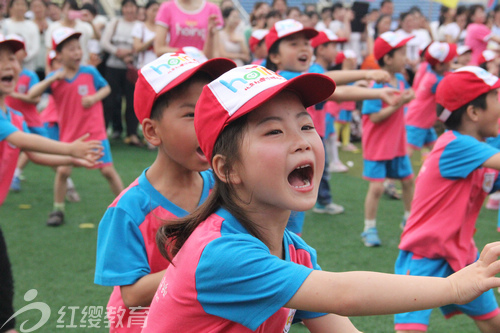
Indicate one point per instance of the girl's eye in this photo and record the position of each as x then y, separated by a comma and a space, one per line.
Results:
274, 132
189, 115
307, 127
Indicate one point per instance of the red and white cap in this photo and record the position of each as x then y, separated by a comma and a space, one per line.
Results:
51, 55
438, 52
245, 88
256, 37
166, 73
389, 41
326, 36
463, 86
194, 53
487, 56
15, 44
462, 49
61, 34
285, 28
343, 55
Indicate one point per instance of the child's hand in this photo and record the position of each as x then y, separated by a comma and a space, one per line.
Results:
390, 95
88, 101
479, 277
60, 74
213, 22
88, 150
407, 96
85, 163
378, 75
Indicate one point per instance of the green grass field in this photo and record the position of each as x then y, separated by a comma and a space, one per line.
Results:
59, 262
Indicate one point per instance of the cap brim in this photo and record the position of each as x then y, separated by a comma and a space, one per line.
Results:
452, 53
13, 44
403, 42
74, 34
311, 88
213, 67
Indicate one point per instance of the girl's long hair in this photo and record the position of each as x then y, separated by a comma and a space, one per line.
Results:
172, 235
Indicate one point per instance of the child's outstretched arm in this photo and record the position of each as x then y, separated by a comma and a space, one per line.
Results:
330, 323
38, 89
384, 113
141, 293
370, 293
25, 98
355, 93
347, 76
89, 100
78, 148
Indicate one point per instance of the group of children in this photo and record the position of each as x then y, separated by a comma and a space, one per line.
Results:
200, 238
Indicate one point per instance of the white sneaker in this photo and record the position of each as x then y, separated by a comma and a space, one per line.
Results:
337, 167
331, 208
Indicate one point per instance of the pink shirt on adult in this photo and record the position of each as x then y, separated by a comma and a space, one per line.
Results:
186, 28
477, 39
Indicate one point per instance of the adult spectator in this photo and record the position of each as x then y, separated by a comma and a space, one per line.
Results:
455, 32
89, 12
144, 35
326, 19
258, 15
478, 34
117, 40
387, 8
446, 16
187, 23
383, 24
27, 29
70, 17
54, 12
341, 24
271, 18
293, 13
280, 6
232, 44
39, 9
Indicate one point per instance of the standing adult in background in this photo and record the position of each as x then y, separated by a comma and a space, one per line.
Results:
257, 18
89, 12
17, 24
144, 35
326, 19
187, 23
446, 16
455, 32
478, 34
387, 8
39, 10
280, 6
232, 43
70, 18
117, 40
54, 12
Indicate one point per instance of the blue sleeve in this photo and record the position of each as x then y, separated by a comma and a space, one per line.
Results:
49, 91
240, 280
400, 77
434, 87
33, 79
6, 127
99, 81
121, 257
464, 155
372, 105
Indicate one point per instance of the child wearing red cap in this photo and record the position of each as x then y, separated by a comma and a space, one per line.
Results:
450, 190
421, 115
172, 187
257, 45
384, 137
78, 92
235, 266
14, 137
489, 61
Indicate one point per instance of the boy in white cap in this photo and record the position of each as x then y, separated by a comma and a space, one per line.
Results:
450, 190
78, 91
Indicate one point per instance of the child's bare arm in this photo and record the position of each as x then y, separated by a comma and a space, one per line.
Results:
348, 76
25, 98
330, 323
78, 148
58, 160
141, 293
369, 293
38, 89
355, 93
88, 101
493, 162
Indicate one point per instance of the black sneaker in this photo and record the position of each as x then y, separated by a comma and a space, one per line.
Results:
56, 218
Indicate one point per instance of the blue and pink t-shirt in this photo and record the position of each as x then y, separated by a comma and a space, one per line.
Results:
27, 79
422, 109
187, 28
449, 192
126, 243
225, 280
75, 120
385, 140
10, 121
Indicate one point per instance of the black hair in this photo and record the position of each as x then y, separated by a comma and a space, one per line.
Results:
442, 12
384, 2
414, 10
455, 119
402, 17
91, 8
124, 2
273, 13
151, 3
290, 9
381, 61
325, 9
227, 11
380, 18
61, 45
273, 50
73, 5
472, 11
497, 8
11, 3
165, 99
312, 13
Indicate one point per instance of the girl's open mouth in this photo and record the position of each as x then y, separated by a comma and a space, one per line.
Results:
301, 176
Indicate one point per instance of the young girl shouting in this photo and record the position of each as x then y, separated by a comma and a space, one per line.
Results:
235, 268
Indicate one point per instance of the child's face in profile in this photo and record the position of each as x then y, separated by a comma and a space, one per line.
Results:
329, 52
71, 54
398, 62
464, 59
9, 70
175, 128
281, 156
294, 53
488, 119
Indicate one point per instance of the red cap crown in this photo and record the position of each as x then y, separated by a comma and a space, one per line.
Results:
439, 52
15, 44
61, 34
487, 56
326, 36
388, 41
245, 88
256, 37
463, 86
285, 28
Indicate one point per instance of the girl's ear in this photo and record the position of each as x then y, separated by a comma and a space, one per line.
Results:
220, 168
149, 130
275, 58
472, 112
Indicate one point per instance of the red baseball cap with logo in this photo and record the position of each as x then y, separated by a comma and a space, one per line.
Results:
326, 36
343, 55
256, 37
487, 56
438, 52
463, 86
166, 73
62, 34
15, 44
245, 88
387, 42
285, 28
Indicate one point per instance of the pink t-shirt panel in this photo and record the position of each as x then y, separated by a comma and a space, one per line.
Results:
477, 39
